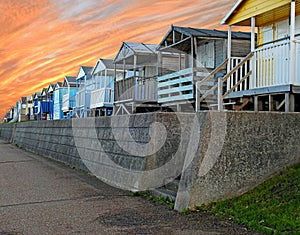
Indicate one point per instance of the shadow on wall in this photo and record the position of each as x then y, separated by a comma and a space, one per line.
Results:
218, 154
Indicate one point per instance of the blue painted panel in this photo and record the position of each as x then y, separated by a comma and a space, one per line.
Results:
72, 94
176, 74
175, 98
176, 89
174, 82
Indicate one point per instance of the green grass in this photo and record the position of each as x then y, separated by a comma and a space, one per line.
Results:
160, 200
272, 208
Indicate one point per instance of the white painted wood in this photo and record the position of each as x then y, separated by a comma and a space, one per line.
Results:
220, 94
292, 42
282, 29
267, 33
252, 33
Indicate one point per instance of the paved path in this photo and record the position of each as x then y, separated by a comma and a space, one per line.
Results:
40, 196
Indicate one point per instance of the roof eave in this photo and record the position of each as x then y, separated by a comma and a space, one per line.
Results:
236, 5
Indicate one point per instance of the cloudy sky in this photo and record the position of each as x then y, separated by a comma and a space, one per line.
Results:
41, 41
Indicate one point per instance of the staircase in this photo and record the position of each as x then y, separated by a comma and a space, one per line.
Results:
71, 114
169, 190
237, 79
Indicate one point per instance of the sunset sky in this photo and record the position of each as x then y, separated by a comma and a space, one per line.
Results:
41, 41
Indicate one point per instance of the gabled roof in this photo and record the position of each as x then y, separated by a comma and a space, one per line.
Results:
103, 64
44, 92
84, 71
50, 88
128, 49
183, 35
37, 95
58, 85
23, 100
264, 12
238, 2
69, 81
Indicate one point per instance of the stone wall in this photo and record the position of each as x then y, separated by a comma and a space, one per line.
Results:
129, 152
218, 154
238, 151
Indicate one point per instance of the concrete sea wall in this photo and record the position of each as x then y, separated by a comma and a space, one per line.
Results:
218, 154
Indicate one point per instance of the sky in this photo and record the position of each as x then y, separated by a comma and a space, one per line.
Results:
41, 41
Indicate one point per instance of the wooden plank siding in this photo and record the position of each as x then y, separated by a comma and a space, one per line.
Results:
250, 8
240, 48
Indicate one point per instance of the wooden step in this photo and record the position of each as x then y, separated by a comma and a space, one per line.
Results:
239, 106
169, 190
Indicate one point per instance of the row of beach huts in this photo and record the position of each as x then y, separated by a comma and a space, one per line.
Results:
191, 69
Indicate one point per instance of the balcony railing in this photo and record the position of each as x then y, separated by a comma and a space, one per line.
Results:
68, 102
176, 86
271, 65
137, 89
101, 97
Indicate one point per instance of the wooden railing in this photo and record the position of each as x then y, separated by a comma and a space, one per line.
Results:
101, 96
176, 86
136, 88
237, 78
271, 65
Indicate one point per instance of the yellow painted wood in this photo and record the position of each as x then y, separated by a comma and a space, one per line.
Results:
250, 8
260, 36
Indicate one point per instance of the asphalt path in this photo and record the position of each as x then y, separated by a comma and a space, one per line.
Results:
42, 196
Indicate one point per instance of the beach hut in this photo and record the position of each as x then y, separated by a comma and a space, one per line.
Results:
192, 55
102, 96
68, 99
273, 81
84, 87
29, 107
59, 91
22, 109
36, 105
135, 88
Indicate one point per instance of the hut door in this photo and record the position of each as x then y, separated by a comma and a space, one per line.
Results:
206, 55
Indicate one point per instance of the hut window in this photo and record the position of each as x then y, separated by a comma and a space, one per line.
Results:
282, 29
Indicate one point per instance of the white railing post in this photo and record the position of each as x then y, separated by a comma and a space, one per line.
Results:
292, 42
220, 94
229, 65
197, 99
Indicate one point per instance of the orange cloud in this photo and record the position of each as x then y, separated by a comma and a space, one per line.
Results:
41, 41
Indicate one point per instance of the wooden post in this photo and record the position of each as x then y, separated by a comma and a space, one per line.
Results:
229, 57
197, 105
220, 93
134, 74
292, 42
252, 33
195, 52
270, 103
256, 103
252, 82
229, 49
289, 102
105, 75
180, 65
159, 64
192, 56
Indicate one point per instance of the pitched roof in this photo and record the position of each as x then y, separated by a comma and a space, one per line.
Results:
69, 80
213, 33
58, 84
50, 88
87, 69
128, 49
44, 92
37, 95
238, 2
